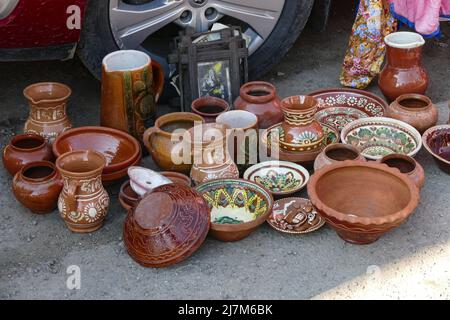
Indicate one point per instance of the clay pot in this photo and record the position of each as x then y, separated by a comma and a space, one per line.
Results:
83, 202
211, 158
37, 186
209, 108
437, 142
407, 166
362, 200
177, 177
47, 101
337, 152
131, 86
261, 99
24, 149
160, 140
300, 130
403, 72
127, 197
414, 109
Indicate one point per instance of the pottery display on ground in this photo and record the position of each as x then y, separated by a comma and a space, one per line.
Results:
131, 86
300, 131
281, 178
414, 109
120, 149
143, 180
261, 99
162, 143
37, 186
167, 226
340, 106
362, 200
403, 72
437, 142
377, 137
295, 216
211, 157
407, 166
335, 153
209, 107
237, 206
83, 202
48, 117
24, 149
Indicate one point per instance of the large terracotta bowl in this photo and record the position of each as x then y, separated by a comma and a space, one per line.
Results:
437, 142
362, 200
120, 149
237, 206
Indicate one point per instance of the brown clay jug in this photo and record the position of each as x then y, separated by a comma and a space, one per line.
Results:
131, 86
48, 117
83, 202
403, 72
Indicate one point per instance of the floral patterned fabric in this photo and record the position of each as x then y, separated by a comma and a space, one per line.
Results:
366, 49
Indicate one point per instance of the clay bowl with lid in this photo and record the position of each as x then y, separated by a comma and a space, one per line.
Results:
362, 200
437, 142
238, 207
167, 226
120, 149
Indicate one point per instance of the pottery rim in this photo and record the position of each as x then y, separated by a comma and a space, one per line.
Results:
404, 40
210, 100
27, 136
305, 104
413, 96
340, 146
252, 119
425, 136
267, 87
63, 97
37, 164
127, 60
353, 219
84, 154
402, 157
175, 117
125, 195
177, 175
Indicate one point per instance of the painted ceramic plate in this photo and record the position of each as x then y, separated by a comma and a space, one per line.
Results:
295, 216
339, 106
378, 137
279, 177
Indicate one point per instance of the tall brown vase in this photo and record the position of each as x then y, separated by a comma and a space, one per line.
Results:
131, 86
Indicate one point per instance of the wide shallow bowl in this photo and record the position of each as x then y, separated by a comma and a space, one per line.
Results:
339, 106
167, 226
437, 142
279, 177
378, 137
119, 148
237, 206
295, 216
362, 200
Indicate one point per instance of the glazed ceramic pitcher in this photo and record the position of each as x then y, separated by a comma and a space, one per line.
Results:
83, 202
47, 101
131, 86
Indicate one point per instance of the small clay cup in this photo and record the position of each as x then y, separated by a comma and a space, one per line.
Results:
37, 186
407, 166
127, 197
209, 108
335, 153
24, 149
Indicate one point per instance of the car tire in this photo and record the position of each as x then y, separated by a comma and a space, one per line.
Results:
97, 40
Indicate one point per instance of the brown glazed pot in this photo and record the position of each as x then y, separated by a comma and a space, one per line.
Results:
158, 140
24, 149
37, 186
437, 142
407, 166
362, 200
167, 226
261, 99
403, 72
414, 109
209, 108
131, 86
83, 202
177, 177
47, 101
337, 152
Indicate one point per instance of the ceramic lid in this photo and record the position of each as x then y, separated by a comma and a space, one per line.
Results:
167, 226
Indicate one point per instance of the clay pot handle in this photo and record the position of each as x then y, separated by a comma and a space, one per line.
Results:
147, 135
71, 193
158, 79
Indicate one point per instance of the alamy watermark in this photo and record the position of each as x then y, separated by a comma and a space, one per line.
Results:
73, 21
73, 281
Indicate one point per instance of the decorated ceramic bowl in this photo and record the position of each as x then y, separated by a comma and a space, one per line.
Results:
237, 206
379, 136
437, 142
279, 177
340, 106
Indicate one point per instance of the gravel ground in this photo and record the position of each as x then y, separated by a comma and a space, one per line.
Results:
411, 262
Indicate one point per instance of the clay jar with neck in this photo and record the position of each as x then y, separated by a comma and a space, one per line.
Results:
261, 99
335, 153
301, 131
414, 109
403, 72
47, 101
209, 108
83, 202
37, 186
